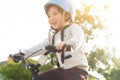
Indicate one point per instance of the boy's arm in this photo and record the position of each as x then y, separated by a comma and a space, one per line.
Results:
77, 38
35, 50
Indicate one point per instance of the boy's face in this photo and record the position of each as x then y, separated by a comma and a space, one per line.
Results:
55, 18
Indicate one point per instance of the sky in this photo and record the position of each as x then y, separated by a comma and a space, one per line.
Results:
23, 24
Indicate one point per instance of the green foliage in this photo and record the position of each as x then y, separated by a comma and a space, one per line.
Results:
14, 71
92, 78
114, 75
115, 71
95, 58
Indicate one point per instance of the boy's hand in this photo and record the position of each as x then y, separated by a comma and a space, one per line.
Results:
61, 45
10, 58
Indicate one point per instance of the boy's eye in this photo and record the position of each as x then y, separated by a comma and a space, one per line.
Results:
48, 16
55, 14
52, 15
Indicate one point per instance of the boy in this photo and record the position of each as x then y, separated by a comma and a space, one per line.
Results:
62, 33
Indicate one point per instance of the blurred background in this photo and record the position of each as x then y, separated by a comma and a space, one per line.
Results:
23, 24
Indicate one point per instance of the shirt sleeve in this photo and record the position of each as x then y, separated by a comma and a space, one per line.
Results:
77, 36
35, 50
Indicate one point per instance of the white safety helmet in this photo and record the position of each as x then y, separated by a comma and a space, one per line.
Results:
64, 4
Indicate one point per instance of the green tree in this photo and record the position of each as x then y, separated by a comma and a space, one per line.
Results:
115, 71
16, 71
99, 58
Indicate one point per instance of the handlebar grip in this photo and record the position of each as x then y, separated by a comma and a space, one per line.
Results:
52, 48
17, 57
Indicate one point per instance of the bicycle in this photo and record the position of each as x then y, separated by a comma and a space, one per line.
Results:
33, 68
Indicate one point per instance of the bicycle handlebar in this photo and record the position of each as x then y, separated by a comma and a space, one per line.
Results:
32, 67
51, 48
